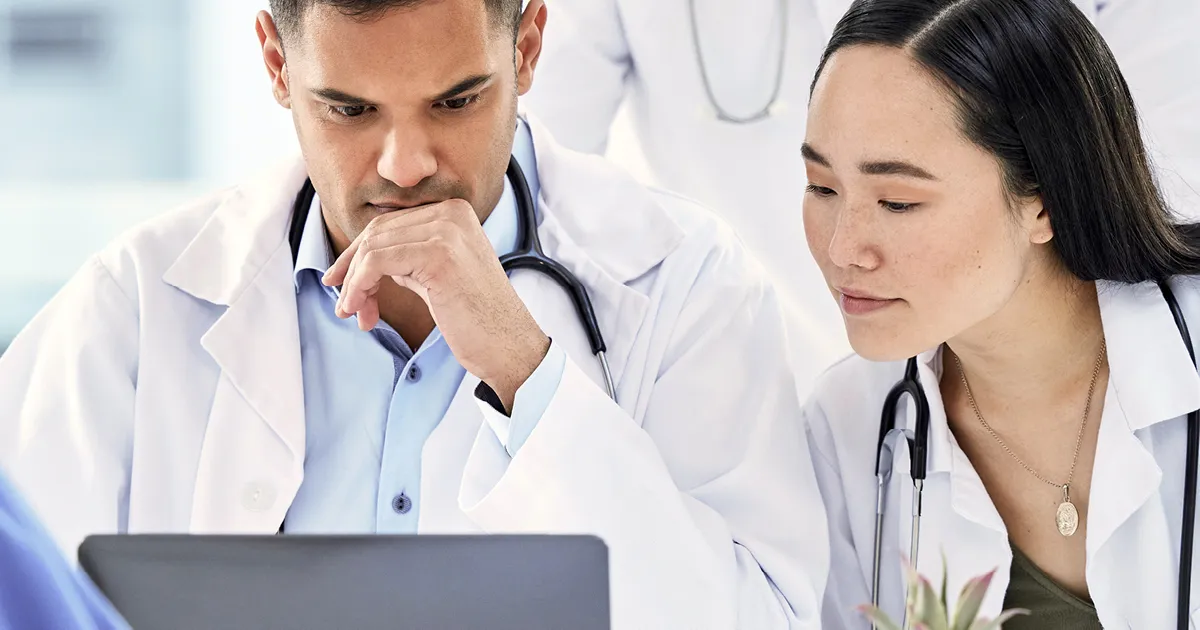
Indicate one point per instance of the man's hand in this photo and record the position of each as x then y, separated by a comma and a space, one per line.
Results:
441, 253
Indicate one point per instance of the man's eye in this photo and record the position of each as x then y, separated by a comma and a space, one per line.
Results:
349, 111
455, 104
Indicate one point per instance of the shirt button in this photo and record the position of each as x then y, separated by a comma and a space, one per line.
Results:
402, 504
414, 374
258, 497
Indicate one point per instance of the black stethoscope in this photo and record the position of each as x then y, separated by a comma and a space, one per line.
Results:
527, 255
918, 446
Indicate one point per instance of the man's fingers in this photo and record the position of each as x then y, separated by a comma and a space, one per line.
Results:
350, 271
368, 315
381, 236
373, 266
337, 272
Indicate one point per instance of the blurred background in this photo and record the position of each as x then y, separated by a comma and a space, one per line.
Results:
112, 111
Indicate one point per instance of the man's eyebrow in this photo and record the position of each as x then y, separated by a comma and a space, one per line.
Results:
338, 96
895, 167
465, 85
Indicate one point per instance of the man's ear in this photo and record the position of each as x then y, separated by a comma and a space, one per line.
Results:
273, 58
529, 43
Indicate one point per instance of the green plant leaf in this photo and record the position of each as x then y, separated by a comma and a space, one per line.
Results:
984, 624
970, 600
877, 617
925, 608
945, 581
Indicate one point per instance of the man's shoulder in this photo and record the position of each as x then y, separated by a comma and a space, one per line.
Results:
153, 244
710, 252
637, 230
228, 223
628, 227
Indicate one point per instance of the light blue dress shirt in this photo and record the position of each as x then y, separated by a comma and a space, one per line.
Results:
371, 402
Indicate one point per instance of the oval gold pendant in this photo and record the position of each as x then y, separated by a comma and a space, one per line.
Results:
1067, 518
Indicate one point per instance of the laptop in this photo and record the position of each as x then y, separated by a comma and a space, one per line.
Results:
493, 582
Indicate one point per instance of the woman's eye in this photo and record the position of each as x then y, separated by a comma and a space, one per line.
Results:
349, 111
895, 206
821, 191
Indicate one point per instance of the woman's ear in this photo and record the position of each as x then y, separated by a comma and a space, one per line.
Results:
1037, 221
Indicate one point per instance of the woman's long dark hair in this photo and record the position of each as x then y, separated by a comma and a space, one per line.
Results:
1038, 88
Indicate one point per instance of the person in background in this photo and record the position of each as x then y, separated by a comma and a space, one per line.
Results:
38, 587
717, 93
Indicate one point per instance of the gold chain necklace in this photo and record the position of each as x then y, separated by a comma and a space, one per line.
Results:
1067, 516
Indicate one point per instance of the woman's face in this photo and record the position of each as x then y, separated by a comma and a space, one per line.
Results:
908, 219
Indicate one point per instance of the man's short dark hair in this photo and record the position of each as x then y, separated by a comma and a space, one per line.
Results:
288, 13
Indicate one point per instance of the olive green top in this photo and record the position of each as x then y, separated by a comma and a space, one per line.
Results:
1052, 606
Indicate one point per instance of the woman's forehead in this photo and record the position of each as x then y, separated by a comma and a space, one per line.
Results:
876, 102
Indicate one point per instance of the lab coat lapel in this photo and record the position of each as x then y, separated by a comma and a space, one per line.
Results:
1151, 381
251, 461
1127, 560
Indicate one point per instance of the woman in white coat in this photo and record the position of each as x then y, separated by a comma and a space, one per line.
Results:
980, 199
685, 68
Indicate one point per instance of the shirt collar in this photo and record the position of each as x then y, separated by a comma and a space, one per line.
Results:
1149, 366
316, 254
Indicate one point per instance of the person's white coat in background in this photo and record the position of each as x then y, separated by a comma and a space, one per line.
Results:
600, 54
1135, 504
161, 391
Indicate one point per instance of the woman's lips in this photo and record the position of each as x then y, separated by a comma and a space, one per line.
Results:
859, 303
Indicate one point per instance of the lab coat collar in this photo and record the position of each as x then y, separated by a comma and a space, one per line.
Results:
1149, 366
242, 234
941, 444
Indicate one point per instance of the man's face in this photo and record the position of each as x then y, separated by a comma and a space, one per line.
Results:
412, 107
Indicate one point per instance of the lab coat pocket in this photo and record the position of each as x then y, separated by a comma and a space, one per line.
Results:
1195, 618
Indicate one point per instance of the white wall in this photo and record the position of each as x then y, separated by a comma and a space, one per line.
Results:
238, 126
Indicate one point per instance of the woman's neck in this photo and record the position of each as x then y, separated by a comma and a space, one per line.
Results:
1038, 352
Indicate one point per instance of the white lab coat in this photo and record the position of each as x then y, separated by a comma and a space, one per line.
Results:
600, 54
161, 391
1136, 498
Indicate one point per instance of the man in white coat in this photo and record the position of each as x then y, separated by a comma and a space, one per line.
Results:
206, 374
689, 69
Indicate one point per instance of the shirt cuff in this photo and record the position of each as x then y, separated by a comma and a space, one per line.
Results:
529, 404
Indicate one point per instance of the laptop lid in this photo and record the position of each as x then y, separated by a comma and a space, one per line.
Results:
181, 582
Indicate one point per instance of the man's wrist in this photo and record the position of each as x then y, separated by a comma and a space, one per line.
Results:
519, 367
